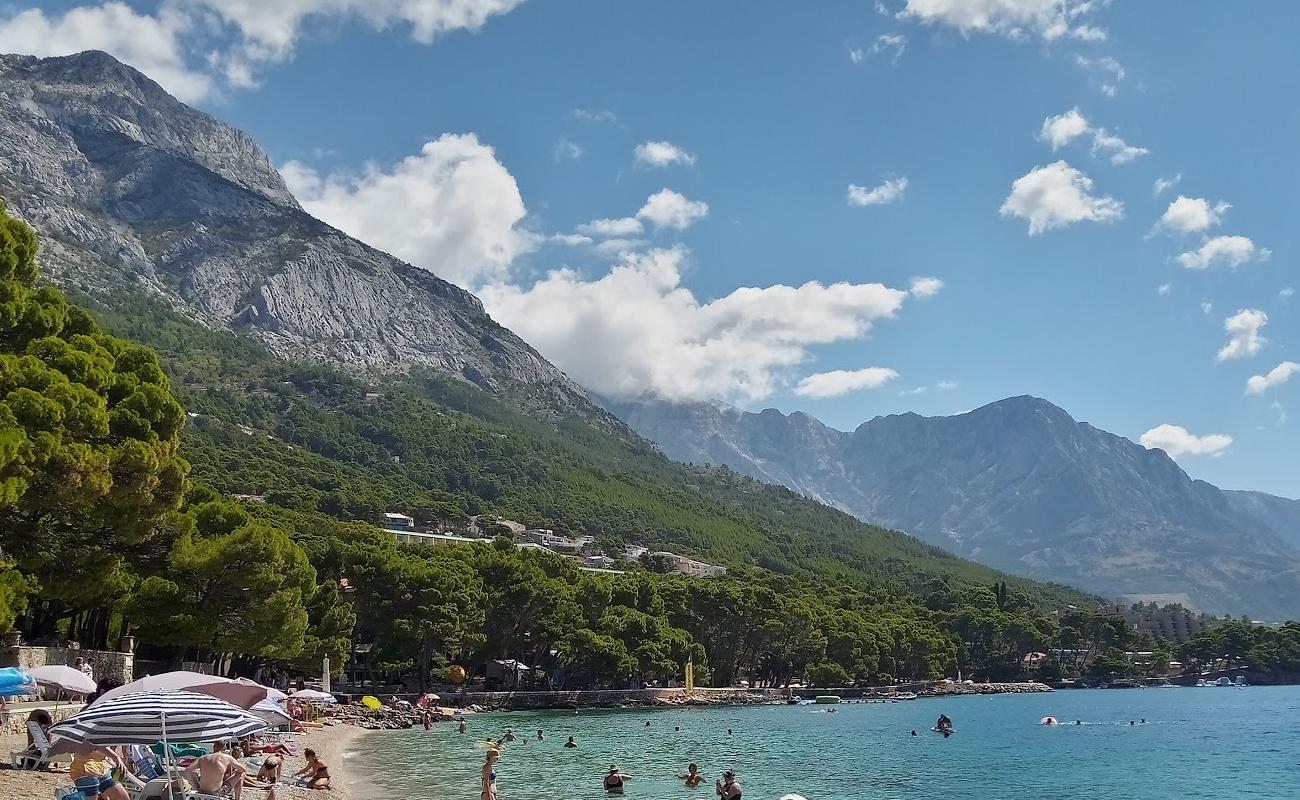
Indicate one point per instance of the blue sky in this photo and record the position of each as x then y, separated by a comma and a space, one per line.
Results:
480, 139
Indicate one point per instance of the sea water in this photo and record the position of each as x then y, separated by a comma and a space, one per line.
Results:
1219, 743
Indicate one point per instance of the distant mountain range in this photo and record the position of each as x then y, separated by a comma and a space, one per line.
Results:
1018, 485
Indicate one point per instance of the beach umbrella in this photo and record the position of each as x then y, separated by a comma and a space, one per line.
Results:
274, 695
15, 682
64, 679
314, 696
270, 713
371, 702
243, 693
150, 717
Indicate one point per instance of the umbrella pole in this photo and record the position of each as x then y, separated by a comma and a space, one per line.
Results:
167, 760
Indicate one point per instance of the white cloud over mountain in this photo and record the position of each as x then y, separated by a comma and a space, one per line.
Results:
842, 381
637, 328
1178, 441
452, 209
1058, 195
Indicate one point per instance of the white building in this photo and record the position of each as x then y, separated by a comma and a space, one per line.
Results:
689, 566
433, 539
634, 551
398, 522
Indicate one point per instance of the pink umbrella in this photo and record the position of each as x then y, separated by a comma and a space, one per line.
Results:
242, 693
62, 678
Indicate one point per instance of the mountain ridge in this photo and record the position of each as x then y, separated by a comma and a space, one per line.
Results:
1020, 485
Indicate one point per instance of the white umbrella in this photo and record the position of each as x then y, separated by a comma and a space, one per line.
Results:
314, 696
242, 693
64, 679
270, 713
149, 717
274, 695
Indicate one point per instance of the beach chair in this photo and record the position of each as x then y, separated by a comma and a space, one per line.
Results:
31, 759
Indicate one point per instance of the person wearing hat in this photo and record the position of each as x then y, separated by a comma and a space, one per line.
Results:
728, 788
614, 780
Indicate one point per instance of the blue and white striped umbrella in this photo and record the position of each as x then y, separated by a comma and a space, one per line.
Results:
149, 717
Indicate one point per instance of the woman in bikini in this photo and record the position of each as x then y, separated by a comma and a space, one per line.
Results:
490, 775
316, 774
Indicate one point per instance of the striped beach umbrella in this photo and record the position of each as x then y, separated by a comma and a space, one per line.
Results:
150, 717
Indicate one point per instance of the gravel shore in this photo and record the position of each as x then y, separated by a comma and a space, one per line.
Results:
333, 743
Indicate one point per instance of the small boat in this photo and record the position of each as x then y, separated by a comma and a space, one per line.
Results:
826, 699
1224, 681
905, 696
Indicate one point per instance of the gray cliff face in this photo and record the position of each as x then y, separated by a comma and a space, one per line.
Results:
1019, 485
129, 188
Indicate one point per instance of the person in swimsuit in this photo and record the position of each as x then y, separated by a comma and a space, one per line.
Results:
461, 727
614, 780
728, 788
315, 774
269, 772
570, 743
692, 777
489, 791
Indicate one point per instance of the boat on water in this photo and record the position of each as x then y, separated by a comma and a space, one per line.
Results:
1224, 681
827, 699
905, 696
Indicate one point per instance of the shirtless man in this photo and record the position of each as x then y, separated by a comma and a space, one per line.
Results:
217, 771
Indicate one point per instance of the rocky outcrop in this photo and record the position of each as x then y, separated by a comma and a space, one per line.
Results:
131, 189
1021, 486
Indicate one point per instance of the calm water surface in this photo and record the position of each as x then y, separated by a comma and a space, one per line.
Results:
1198, 743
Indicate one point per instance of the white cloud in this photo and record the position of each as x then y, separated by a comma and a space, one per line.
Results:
1192, 215
662, 154
1243, 334
913, 392
570, 239
1015, 19
453, 209
618, 226
946, 386
925, 287
1058, 195
1062, 129
594, 115
1164, 289
1258, 384
1207, 308
566, 150
894, 43
1287, 293
1230, 251
1163, 185
152, 44
637, 329
1178, 441
668, 209
619, 246
856, 55
842, 381
1105, 71
887, 192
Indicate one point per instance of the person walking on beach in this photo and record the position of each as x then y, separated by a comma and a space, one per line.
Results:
614, 780
692, 777
490, 775
728, 788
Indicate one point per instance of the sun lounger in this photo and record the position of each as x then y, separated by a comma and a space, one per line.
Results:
31, 759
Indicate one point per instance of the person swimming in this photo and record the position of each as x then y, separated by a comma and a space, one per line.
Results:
509, 737
1078, 722
614, 780
539, 736
692, 777
728, 788
570, 743
913, 731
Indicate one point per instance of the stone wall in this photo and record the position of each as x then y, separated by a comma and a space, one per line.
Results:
119, 667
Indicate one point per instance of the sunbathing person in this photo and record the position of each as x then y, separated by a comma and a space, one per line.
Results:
315, 774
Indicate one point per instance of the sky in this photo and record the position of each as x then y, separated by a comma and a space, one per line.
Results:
908, 205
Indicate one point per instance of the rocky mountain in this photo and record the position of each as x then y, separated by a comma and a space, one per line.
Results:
1019, 485
131, 188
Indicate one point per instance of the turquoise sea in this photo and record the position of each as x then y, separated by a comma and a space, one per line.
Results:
1215, 743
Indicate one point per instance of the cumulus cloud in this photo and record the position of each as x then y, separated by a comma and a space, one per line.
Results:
662, 154
453, 209
925, 287
1258, 384
1163, 185
668, 209
152, 44
1178, 441
842, 381
1192, 215
1229, 251
637, 329
1060, 130
618, 226
1058, 195
173, 45
1015, 19
1243, 334
888, 192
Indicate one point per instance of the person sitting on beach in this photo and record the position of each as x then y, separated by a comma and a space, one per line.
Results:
42, 718
217, 772
570, 743
489, 791
614, 780
314, 774
90, 774
692, 777
728, 788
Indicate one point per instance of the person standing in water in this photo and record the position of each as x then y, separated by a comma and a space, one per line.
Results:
570, 743
490, 775
539, 736
692, 777
614, 780
728, 788
461, 728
